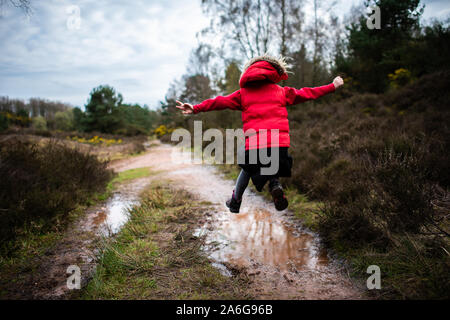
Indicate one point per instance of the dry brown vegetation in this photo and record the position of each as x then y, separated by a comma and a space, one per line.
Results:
41, 185
381, 165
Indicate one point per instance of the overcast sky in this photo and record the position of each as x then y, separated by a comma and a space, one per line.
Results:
136, 46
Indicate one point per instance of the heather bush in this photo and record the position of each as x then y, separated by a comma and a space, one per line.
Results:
380, 163
41, 185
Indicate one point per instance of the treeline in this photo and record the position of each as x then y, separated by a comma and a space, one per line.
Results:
399, 52
370, 60
46, 113
105, 112
34, 107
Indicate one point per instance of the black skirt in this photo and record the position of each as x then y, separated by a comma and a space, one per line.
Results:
253, 168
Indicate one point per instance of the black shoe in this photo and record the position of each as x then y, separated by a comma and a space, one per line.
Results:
278, 197
233, 204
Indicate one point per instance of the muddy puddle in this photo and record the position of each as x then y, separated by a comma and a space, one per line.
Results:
114, 214
284, 260
258, 237
109, 219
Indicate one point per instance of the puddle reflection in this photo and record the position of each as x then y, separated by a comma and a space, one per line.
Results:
257, 236
114, 215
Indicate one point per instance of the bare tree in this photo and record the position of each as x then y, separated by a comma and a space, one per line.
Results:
247, 25
319, 32
24, 5
290, 20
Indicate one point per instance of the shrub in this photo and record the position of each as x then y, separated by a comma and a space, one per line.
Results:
40, 186
39, 123
64, 120
4, 123
400, 78
384, 178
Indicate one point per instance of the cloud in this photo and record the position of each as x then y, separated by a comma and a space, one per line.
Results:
136, 46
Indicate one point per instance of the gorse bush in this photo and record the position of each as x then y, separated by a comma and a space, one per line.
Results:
41, 185
96, 140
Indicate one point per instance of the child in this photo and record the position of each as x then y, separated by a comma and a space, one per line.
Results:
263, 106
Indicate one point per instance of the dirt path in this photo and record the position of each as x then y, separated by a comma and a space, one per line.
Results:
284, 261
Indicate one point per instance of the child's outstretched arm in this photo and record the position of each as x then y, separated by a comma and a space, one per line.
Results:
295, 96
232, 101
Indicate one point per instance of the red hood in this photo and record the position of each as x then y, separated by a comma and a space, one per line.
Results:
261, 70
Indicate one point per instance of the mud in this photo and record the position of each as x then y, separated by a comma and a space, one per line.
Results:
284, 260
258, 237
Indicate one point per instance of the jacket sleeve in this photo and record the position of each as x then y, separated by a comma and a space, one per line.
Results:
232, 101
295, 96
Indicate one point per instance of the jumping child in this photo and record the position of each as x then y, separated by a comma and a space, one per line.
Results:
263, 106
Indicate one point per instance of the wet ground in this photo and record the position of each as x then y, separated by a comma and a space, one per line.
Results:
283, 260
257, 237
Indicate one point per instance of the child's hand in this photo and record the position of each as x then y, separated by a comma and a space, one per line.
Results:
338, 82
186, 107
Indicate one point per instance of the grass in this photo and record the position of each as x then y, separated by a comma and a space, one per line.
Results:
131, 175
18, 268
408, 271
124, 177
155, 255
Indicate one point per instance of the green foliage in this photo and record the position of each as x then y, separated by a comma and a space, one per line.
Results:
400, 78
230, 83
4, 122
374, 53
39, 123
78, 119
196, 89
102, 110
136, 119
20, 118
64, 120
106, 113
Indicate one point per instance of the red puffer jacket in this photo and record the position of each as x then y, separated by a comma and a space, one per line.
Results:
263, 104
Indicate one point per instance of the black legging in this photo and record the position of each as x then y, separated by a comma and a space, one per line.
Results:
242, 183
